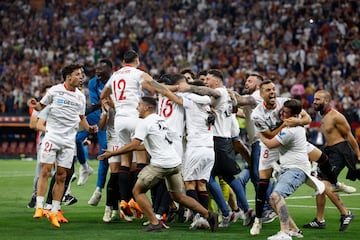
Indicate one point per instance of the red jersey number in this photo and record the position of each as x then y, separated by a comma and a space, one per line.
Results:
166, 108
119, 89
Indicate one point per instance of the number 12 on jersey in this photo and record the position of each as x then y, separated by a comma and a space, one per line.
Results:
119, 89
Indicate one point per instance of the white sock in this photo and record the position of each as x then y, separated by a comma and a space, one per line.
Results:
55, 206
98, 189
39, 202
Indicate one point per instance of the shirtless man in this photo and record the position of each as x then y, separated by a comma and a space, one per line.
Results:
342, 150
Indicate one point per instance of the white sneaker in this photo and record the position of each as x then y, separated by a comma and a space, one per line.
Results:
225, 222
298, 234
107, 214
95, 198
236, 216
344, 188
280, 236
199, 222
269, 216
256, 227
84, 174
248, 217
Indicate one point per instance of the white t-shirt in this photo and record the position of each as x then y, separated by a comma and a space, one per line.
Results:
223, 110
126, 89
293, 148
198, 133
63, 119
157, 138
252, 132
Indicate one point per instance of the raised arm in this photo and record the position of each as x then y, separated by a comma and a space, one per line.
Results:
201, 90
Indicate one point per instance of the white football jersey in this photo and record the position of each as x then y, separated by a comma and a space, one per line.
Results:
198, 132
252, 132
126, 90
63, 119
222, 107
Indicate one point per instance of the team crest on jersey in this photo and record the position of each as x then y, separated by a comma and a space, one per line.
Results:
281, 133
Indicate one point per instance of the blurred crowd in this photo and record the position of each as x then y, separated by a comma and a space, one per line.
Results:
302, 45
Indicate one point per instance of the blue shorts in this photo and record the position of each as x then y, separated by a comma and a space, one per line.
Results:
289, 180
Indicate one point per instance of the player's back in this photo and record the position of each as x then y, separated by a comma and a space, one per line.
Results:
126, 88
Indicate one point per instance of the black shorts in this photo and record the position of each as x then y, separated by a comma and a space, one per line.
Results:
340, 155
225, 164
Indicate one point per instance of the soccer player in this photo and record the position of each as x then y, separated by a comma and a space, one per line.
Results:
67, 105
342, 150
127, 85
164, 163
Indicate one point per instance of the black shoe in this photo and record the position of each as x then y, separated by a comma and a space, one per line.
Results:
315, 224
345, 221
153, 228
213, 221
69, 200
173, 212
32, 202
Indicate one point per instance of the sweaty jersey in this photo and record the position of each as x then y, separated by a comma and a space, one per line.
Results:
222, 107
63, 119
252, 132
198, 132
126, 88
158, 141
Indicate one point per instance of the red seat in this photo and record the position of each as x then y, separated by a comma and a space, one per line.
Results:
30, 148
4, 147
21, 148
13, 147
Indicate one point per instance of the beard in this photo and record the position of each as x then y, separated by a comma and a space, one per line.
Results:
319, 107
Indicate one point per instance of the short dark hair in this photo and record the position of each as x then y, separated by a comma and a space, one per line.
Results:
294, 105
202, 73
188, 70
69, 69
197, 83
130, 56
176, 77
264, 83
107, 62
150, 101
165, 79
217, 73
254, 74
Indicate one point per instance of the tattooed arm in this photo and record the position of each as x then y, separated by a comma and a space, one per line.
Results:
200, 90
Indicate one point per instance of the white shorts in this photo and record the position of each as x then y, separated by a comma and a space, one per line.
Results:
198, 163
62, 154
268, 157
111, 146
125, 129
179, 145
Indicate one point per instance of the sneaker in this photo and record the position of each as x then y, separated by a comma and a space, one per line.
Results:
256, 227
53, 218
280, 236
236, 215
213, 221
315, 224
107, 214
61, 218
134, 205
199, 222
345, 221
225, 222
84, 174
32, 202
188, 215
269, 216
248, 217
46, 212
173, 212
298, 234
95, 198
68, 199
39, 213
153, 228
115, 216
341, 187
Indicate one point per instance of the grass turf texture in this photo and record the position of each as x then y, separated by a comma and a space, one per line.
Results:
85, 222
